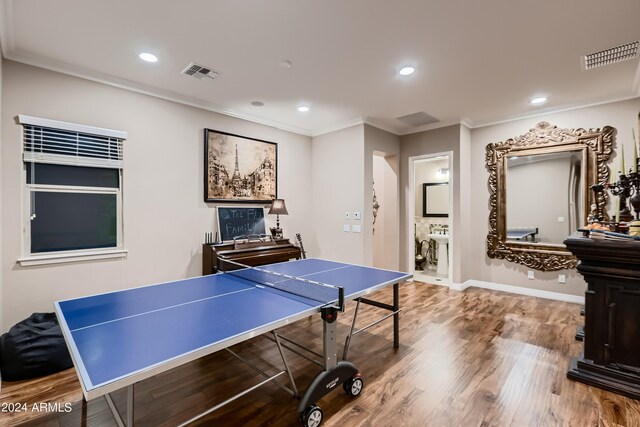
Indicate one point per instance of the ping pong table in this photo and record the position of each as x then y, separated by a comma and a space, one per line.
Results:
120, 338
522, 233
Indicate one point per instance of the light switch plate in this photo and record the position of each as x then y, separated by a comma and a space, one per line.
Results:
530, 275
355, 228
356, 215
345, 227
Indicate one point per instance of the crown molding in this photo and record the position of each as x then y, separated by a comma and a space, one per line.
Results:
96, 76
6, 27
6, 43
337, 127
451, 122
556, 110
372, 122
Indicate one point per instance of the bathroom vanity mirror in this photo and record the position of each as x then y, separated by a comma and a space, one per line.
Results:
435, 199
539, 192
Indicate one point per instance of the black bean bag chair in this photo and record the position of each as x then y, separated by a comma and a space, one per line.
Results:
33, 348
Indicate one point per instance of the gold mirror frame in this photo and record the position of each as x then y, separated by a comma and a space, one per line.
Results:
596, 145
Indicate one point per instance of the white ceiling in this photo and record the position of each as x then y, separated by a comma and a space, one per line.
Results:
476, 61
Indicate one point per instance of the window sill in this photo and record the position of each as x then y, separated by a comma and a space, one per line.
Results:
59, 258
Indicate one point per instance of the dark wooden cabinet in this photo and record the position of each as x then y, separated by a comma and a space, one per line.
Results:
213, 253
611, 352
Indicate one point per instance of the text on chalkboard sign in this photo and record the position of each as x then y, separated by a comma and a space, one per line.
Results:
234, 222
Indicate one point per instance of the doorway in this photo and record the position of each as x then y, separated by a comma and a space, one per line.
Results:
430, 217
386, 211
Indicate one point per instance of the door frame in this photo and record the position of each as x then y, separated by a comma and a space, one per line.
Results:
411, 208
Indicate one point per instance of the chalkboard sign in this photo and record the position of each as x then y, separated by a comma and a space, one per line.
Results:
233, 222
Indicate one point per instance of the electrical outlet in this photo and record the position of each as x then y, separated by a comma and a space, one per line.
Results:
356, 215
530, 275
562, 278
346, 215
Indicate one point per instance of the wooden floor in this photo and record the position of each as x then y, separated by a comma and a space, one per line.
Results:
472, 358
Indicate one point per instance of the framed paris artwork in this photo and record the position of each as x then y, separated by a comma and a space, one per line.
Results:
239, 169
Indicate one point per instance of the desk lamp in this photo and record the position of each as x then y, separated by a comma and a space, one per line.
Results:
278, 208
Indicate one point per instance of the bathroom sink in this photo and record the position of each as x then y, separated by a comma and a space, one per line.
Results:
443, 253
440, 238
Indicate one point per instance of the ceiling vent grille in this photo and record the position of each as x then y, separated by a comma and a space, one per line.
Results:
200, 72
611, 56
418, 119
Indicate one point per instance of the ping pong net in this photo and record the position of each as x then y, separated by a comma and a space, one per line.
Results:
291, 285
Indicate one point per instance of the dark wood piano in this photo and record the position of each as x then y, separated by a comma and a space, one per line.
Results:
247, 251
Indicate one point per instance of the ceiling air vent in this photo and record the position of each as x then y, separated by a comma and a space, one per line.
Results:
418, 119
611, 56
200, 72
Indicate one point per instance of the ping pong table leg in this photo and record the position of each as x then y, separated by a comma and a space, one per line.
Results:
393, 308
396, 317
286, 365
114, 410
347, 341
333, 374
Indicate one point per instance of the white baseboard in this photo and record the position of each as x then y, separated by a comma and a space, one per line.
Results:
458, 286
523, 291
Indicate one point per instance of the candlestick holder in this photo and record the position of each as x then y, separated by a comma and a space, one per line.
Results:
627, 188
596, 214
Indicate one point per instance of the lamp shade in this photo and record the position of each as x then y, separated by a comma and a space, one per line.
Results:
278, 207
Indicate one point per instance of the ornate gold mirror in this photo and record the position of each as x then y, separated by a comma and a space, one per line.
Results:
539, 192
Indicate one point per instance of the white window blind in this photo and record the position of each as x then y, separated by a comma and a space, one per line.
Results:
73, 191
54, 142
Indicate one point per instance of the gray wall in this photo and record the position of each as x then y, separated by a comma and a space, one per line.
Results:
621, 115
423, 143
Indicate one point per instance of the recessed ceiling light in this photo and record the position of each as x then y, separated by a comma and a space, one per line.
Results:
405, 71
539, 100
148, 57
257, 103
303, 108
286, 63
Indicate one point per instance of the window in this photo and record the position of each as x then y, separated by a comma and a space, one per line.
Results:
73, 191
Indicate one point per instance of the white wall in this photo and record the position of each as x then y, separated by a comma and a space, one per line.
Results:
391, 228
464, 227
379, 165
426, 172
621, 115
164, 213
1, 204
337, 187
380, 142
385, 238
343, 182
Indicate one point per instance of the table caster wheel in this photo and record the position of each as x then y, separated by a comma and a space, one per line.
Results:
312, 416
353, 386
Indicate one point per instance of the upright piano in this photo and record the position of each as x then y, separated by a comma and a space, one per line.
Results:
248, 252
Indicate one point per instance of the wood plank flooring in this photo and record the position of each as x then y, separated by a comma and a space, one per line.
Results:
472, 358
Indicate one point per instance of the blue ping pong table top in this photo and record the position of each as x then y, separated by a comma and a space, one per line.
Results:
122, 337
